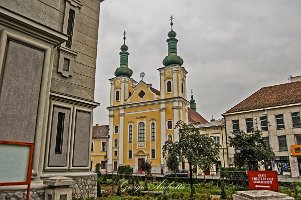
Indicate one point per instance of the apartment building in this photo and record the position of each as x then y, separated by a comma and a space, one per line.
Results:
275, 111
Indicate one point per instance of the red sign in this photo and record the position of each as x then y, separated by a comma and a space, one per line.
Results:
263, 180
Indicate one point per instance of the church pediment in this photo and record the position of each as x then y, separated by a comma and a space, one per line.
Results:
143, 92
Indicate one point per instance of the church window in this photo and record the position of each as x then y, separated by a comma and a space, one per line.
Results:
130, 154
168, 86
117, 95
59, 133
153, 154
169, 124
116, 129
141, 94
130, 133
141, 132
115, 153
116, 143
70, 28
153, 131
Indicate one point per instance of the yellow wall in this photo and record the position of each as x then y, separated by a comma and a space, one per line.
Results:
146, 109
97, 155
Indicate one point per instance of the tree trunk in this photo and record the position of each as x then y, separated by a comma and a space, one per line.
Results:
190, 170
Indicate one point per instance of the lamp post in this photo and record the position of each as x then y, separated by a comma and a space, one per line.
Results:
106, 159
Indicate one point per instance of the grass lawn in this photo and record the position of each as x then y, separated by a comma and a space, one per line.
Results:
173, 190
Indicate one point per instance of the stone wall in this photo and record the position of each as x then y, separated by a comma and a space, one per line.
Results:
21, 195
86, 186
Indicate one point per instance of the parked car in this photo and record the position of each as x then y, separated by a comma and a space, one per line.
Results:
182, 173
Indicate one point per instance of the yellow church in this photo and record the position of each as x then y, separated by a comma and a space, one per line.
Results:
142, 118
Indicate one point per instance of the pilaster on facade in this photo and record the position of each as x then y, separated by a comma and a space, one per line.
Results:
175, 82
112, 92
110, 149
163, 128
126, 89
121, 138
122, 95
162, 85
176, 110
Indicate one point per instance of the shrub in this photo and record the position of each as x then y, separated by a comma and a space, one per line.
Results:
234, 174
145, 185
223, 192
126, 170
297, 191
119, 188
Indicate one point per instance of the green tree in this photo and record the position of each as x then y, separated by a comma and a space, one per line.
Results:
250, 149
198, 149
172, 161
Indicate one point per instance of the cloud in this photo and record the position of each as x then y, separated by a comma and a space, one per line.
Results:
230, 48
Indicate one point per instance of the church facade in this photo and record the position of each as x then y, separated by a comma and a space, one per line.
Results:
143, 118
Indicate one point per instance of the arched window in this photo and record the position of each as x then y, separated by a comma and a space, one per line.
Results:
170, 137
168, 86
130, 133
153, 131
169, 124
116, 143
117, 95
141, 132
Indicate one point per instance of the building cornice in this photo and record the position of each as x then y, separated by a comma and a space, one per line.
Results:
119, 77
80, 101
261, 109
152, 102
23, 24
172, 66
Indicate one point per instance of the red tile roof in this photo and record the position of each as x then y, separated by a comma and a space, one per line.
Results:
157, 92
276, 95
100, 131
195, 117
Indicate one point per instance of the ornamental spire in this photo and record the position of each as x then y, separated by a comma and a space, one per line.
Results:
171, 23
192, 102
124, 37
172, 58
124, 70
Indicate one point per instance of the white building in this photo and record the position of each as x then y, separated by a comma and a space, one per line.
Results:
275, 110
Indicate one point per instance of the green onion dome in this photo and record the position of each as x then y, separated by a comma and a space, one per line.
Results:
124, 48
172, 34
123, 71
173, 59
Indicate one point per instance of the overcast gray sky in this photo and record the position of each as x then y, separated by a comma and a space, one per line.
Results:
230, 48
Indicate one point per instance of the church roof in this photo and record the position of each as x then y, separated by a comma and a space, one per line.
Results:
276, 95
100, 131
157, 92
195, 117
